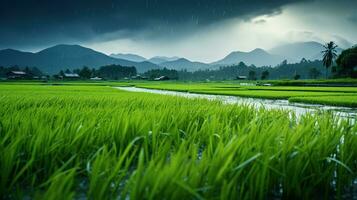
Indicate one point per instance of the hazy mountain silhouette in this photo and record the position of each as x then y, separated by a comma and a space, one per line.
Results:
60, 57
257, 57
129, 56
294, 52
162, 59
183, 63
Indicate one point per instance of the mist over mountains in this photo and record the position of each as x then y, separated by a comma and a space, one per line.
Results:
129, 57
294, 52
257, 57
60, 57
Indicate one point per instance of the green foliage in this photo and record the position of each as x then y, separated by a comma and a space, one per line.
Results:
284, 70
85, 73
252, 75
265, 75
314, 73
329, 54
347, 63
65, 142
297, 76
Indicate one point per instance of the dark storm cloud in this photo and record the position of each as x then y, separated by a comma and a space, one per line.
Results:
41, 22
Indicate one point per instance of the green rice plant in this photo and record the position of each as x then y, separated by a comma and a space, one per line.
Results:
90, 141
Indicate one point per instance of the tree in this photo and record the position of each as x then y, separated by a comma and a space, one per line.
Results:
265, 75
115, 72
93, 72
314, 73
156, 73
347, 63
251, 75
329, 54
85, 72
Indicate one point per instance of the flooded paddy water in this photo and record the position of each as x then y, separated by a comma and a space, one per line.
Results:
298, 108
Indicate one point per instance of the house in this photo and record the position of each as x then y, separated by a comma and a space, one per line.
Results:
241, 78
71, 76
138, 77
17, 75
162, 78
96, 78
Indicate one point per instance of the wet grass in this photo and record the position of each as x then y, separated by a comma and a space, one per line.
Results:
65, 142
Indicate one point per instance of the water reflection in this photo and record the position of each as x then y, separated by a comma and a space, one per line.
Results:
298, 108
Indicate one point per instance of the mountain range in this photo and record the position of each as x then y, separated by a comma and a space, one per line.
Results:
183, 63
257, 57
136, 58
61, 57
294, 52
128, 56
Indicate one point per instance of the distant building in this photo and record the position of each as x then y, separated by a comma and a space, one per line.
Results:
96, 79
139, 77
162, 78
17, 75
71, 76
241, 77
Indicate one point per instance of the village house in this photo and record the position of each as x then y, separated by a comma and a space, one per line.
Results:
162, 78
96, 78
17, 75
241, 77
71, 76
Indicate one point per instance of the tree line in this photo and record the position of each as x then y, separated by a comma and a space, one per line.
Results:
303, 70
344, 66
110, 72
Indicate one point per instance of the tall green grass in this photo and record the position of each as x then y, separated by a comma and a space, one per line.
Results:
65, 142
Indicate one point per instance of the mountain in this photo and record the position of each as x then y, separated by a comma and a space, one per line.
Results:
129, 56
183, 63
257, 57
60, 57
162, 59
8, 56
294, 52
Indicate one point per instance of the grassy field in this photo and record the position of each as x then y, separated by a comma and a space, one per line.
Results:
303, 94
342, 81
67, 141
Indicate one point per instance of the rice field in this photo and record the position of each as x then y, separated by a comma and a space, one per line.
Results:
333, 96
349, 101
96, 142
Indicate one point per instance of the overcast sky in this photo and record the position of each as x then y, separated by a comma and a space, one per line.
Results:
203, 30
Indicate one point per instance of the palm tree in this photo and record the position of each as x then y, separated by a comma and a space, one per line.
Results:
329, 55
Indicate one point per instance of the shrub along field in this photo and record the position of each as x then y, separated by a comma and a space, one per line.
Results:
65, 142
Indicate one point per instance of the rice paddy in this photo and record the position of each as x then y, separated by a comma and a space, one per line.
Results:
97, 142
335, 95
